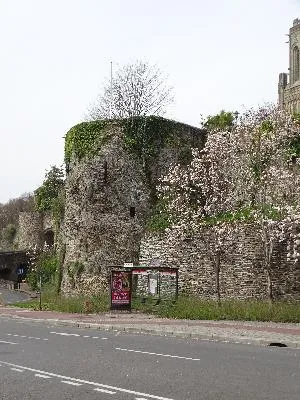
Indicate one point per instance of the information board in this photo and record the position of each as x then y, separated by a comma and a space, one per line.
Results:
121, 289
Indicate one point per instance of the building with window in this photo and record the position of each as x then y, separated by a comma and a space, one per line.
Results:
289, 84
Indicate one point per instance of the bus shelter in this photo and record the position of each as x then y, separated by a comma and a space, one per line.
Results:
152, 282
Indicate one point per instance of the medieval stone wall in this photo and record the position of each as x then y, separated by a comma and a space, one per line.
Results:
108, 200
242, 275
31, 229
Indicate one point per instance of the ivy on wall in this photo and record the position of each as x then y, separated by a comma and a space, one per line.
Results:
159, 219
46, 195
143, 136
81, 140
7, 236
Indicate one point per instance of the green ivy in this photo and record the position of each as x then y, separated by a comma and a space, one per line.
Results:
294, 149
81, 140
266, 126
243, 215
159, 219
145, 136
9, 233
47, 193
296, 118
58, 209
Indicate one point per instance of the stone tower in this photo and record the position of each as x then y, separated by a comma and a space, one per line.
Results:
110, 194
289, 84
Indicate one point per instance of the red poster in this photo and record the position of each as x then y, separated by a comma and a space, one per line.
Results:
120, 288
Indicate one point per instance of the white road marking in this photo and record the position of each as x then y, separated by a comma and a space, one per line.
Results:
4, 341
65, 334
43, 376
104, 391
24, 336
17, 369
149, 396
76, 334
72, 383
158, 354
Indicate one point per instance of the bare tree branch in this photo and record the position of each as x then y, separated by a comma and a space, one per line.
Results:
137, 89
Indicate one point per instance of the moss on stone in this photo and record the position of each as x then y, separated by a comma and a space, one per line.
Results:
83, 139
143, 136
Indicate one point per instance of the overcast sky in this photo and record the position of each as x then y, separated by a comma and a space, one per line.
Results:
55, 56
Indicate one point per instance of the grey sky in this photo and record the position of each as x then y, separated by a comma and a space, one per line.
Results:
55, 56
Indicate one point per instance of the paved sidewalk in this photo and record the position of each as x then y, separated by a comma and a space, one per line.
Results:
260, 333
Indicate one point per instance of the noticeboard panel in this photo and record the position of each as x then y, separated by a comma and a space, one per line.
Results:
121, 289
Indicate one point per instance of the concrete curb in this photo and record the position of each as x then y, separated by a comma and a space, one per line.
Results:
165, 331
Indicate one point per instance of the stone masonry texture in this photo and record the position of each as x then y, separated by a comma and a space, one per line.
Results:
242, 275
108, 202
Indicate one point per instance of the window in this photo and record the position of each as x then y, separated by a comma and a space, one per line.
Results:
132, 212
49, 238
295, 64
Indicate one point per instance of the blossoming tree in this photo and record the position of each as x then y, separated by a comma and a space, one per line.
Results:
248, 173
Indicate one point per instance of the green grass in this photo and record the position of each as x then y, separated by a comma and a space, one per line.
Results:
81, 304
196, 309
183, 308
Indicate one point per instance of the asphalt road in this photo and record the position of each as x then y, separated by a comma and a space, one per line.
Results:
11, 296
43, 361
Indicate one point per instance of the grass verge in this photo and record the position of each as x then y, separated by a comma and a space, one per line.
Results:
183, 308
51, 301
197, 309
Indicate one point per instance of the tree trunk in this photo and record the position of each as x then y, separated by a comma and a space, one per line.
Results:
61, 259
217, 272
268, 268
269, 285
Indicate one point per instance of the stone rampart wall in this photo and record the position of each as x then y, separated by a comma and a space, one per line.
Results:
242, 275
108, 201
31, 229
